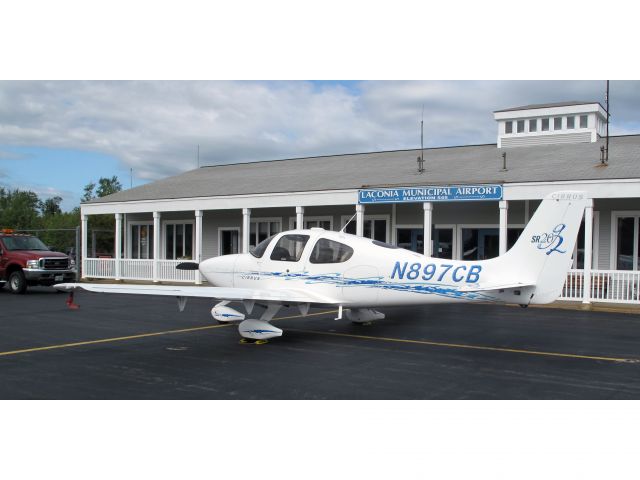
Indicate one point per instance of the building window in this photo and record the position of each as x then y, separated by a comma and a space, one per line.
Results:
374, 228
229, 241
508, 127
583, 121
557, 123
263, 229
571, 122
545, 125
533, 125
484, 243
178, 241
313, 222
628, 243
141, 241
520, 126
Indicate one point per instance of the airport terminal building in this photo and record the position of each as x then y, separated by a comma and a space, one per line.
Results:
468, 202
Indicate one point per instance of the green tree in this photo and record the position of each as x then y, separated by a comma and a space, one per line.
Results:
18, 209
50, 206
104, 187
102, 225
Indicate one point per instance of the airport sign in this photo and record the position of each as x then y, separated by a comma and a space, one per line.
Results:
436, 193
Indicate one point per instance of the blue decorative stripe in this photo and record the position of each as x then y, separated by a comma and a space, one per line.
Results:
260, 331
377, 282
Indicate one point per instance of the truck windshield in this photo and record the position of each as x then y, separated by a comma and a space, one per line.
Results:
24, 243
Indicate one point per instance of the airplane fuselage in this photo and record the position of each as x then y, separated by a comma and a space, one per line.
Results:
375, 274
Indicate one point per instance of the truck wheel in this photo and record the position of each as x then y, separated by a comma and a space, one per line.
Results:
17, 282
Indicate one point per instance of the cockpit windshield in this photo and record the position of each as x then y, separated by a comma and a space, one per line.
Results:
258, 250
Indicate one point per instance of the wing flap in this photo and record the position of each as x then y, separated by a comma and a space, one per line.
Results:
220, 293
488, 288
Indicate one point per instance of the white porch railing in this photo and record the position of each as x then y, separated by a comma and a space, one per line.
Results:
132, 269
614, 286
99, 268
167, 272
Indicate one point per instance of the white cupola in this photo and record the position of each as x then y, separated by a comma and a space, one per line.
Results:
548, 123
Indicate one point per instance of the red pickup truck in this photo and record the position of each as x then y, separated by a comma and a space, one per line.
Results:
25, 260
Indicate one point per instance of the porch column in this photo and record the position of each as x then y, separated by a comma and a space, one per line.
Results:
118, 253
246, 229
588, 254
198, 252
502, 244
299, 218
156, 246
82, 264
394, 233
428, 225
360, 220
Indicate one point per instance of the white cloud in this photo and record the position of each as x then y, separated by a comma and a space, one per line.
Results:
155, 126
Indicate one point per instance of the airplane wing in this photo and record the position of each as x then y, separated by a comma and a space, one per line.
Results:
220, 293
488, 288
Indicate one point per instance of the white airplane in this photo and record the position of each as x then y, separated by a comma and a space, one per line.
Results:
319, 268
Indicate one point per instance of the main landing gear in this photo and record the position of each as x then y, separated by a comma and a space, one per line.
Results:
253, 331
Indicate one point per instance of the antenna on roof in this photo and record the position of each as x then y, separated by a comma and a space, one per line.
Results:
606, 150
421, 157
350, 220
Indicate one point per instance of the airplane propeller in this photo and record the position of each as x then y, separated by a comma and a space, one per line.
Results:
188, 266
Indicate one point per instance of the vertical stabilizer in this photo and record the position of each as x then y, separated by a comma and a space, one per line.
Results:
542, 254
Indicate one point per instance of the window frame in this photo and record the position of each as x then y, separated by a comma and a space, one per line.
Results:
573, 119
312, 218
533, 121
524, 124
163, 253
345, 218
442, 226
613, 252
542, 129
554, 124
264, 219
129, 238
586, 117
508, 131
595, 244
461, 226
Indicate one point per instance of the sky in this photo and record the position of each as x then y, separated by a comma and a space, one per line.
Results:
57, 136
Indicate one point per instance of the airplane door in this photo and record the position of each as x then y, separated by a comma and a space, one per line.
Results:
285, 259
360, 285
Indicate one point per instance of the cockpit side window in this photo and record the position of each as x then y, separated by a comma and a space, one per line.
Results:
328, 251
289, 248
259, 249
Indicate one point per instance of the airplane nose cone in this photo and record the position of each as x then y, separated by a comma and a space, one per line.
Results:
219, 270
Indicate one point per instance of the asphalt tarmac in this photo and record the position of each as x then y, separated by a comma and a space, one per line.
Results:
133, 347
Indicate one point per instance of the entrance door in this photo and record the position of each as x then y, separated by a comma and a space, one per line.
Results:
411, 239
480, 243
229, 240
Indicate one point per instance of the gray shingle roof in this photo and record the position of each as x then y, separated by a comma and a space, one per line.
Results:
534, 106
451, 165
